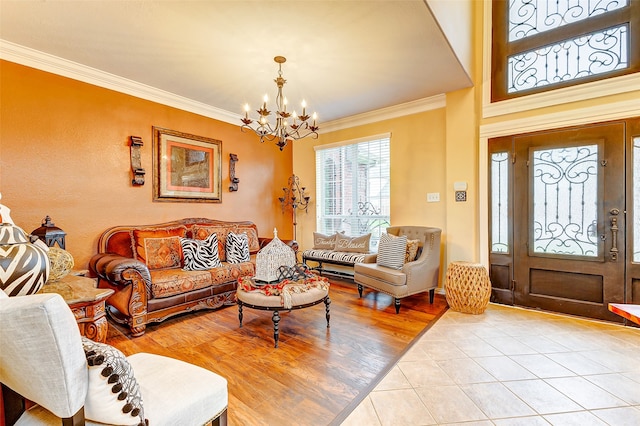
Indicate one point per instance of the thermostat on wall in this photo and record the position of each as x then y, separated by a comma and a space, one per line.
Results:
460, 186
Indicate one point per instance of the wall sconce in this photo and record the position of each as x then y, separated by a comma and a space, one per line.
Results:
295, 197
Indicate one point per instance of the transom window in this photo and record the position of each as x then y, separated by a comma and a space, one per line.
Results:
353, 187
540, 45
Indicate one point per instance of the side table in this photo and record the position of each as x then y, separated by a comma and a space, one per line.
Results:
467, 287
86, 302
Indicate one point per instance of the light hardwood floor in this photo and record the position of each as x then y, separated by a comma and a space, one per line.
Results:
316, 376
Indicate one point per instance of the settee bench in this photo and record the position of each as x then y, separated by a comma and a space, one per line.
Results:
343, 260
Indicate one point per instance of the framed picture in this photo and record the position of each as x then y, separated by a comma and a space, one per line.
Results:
186, 167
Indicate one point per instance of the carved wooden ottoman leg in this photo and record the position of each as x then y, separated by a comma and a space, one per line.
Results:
240, 312
276, 330
327, 304
360, 290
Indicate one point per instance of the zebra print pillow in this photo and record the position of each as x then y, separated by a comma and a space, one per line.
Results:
238, 248
391, 251
200, 254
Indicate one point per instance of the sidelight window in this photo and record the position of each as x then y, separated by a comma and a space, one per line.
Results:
636, 199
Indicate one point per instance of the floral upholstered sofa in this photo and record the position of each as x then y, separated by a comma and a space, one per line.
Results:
155, 275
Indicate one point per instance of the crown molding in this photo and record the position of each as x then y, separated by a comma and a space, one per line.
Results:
45, 62
49, 63
400, 110
575, 117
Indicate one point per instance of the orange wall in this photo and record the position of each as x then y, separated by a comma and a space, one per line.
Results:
64, 152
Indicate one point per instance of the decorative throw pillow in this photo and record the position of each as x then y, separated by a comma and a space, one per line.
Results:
238, 248
114, 395
353, 244
201, 232
162, 251
412, 250
200, 255
391, 251
324, 242
252, 234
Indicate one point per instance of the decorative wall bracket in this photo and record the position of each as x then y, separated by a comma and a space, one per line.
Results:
233, 158
136, 162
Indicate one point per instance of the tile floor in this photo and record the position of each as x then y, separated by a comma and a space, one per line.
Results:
511, 366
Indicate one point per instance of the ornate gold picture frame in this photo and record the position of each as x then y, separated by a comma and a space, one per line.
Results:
187, 168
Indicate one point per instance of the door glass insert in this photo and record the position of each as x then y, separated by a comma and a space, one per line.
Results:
636, 199
565, 191
500, 202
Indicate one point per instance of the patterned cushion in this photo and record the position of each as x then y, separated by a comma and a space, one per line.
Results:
114, 395
171, 282
162, 251
324, 242
200, 254
392, 250
201, 232
353, 244
237, 248
252, 234
412, 250
339, 256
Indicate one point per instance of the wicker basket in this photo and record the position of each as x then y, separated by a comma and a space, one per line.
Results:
467, 287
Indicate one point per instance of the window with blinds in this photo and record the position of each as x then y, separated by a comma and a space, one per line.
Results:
353, 187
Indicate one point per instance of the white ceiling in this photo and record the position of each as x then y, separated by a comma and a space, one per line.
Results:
343, 57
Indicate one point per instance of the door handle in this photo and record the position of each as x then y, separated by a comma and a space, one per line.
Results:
614, 234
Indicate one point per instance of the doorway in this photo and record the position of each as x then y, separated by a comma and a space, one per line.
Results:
564, 222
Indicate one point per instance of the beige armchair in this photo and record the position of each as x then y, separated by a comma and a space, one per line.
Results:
42, 360
415, 277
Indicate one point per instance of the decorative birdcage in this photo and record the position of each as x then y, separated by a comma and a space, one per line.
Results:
271, 257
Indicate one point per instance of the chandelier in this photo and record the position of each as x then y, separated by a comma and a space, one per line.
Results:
288, 125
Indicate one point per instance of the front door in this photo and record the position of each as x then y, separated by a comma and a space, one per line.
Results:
559, 233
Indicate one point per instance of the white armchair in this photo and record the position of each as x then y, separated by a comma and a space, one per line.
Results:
42, 360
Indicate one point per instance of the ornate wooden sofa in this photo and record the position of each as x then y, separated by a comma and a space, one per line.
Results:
146, 293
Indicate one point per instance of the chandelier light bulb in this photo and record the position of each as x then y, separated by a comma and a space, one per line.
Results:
282, 131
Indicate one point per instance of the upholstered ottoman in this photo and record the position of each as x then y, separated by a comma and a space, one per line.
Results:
286, 295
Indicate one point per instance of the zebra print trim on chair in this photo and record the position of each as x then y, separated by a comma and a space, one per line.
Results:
200, 254
238, 248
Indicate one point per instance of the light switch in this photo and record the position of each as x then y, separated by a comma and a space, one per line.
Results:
433, 197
